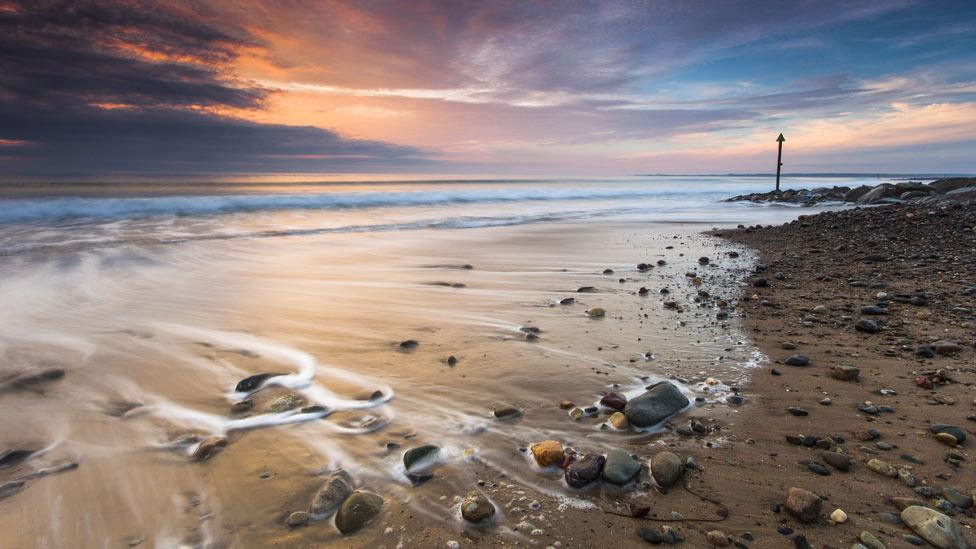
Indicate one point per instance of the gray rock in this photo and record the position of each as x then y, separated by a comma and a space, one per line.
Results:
330, 496
798, 360
867, 326
956, 432
654, 406
934, 527
620, 467
358, 509
476, 508
957, 498
837, 460
667, 468
419, 456
946, 348
873, 310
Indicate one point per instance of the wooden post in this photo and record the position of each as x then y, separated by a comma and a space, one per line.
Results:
779, 159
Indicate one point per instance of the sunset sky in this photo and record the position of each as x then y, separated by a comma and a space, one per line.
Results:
524, 87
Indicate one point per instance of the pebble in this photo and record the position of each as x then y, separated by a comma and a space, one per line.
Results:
476, 508
882, 468
956, 432
845, 372
547, 452
618, 420
507, 412
717, 538
584, 470
208, 447
802, 504
297, 518
419, 454
797, 360
330, 496
867, 326
838, 516
356, 511
596, 312
817, 468
666, 468
614, 401
837, 460
620, 467
870, 540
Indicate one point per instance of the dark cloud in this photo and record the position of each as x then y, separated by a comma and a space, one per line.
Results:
133, 85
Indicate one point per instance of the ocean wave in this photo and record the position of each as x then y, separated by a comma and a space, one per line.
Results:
21, 210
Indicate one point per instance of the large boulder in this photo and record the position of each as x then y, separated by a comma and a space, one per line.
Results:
952, 183
857, 192
656, 405
882, 191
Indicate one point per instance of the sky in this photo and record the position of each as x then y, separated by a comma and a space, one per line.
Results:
486, 87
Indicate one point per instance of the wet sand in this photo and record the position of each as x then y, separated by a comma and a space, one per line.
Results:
153, 340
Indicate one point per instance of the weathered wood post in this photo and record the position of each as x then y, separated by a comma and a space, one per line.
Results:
779, 159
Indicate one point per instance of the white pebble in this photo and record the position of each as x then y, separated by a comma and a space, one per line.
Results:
453, 544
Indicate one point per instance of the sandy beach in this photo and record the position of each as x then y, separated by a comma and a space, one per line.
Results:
465, 351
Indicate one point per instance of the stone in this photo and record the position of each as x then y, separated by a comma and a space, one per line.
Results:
330, 496
797, 411
788, 346
934, 527
946, 348
285, 403
717, 538
297, 518
251, 383
845, 372
208, 447
409, 344
476, 508
547, 452
666, 468
596, 312
507, 412
838, 516
870, 540
873, 310
618, 420
798, 360
584, 470
947, 439
13, 456
614, 401
882, 468
242, 407
356, 511
803, 505
817, 468
957, 498
620, 467
867, 326
956, 432
654, 406
420, 456
837, 460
